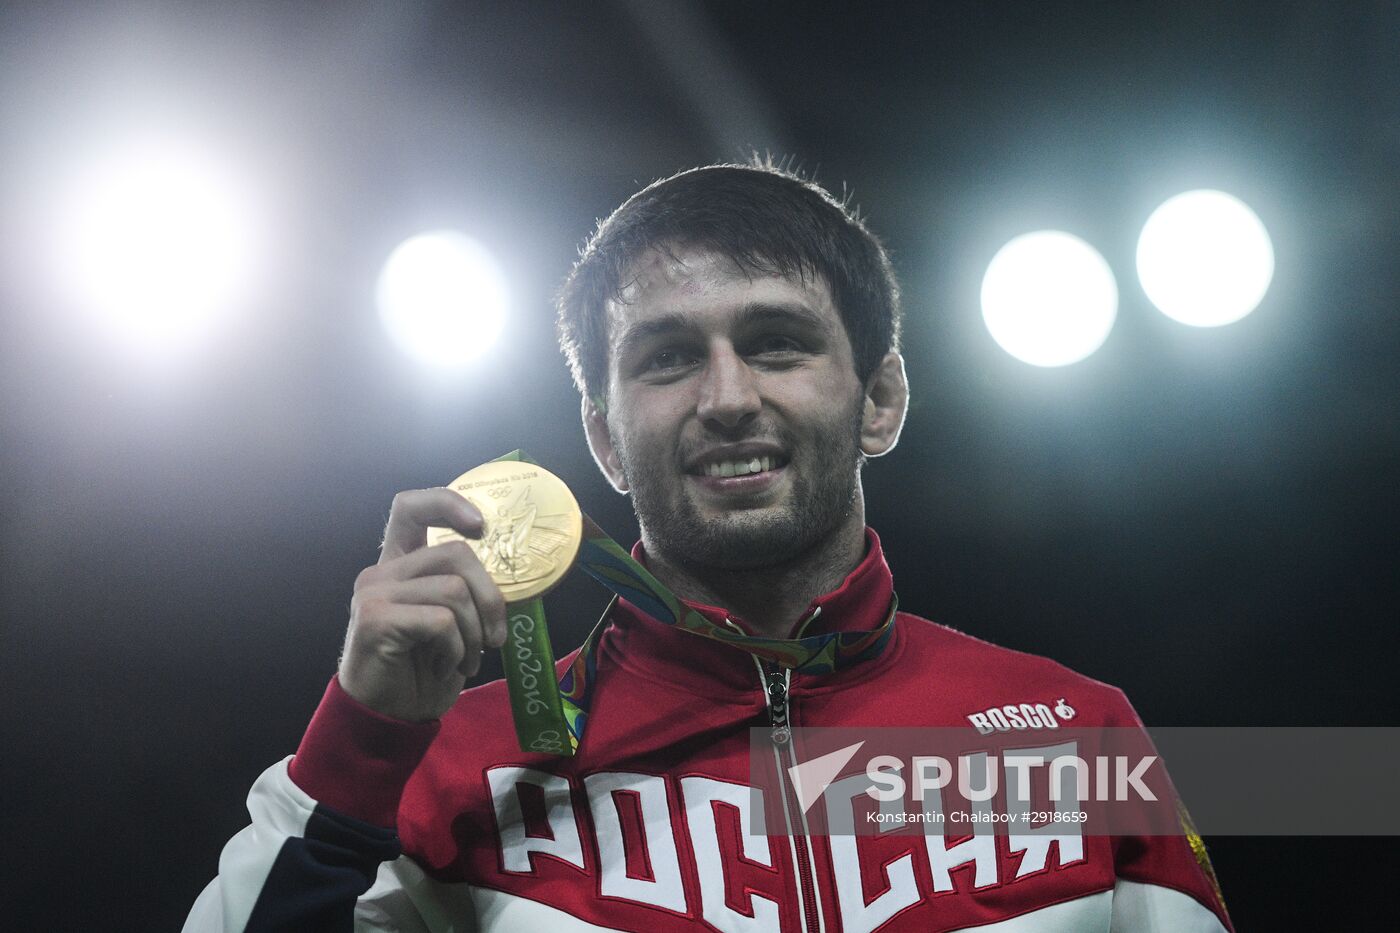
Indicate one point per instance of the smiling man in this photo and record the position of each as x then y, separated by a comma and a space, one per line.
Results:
733, 332
737, 421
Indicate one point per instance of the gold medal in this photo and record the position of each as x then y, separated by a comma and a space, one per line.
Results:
532, 527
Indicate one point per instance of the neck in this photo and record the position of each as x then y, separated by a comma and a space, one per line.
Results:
771, 599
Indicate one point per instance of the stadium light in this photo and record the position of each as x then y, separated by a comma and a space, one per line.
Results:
155, 241
1049, 298
1205, 259
442, 297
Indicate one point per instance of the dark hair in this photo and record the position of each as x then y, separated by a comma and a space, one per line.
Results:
768, 220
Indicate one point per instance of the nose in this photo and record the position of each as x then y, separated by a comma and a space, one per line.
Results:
729, 395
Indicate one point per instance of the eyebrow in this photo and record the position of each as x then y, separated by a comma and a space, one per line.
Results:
755, 312
764, 312
669, 323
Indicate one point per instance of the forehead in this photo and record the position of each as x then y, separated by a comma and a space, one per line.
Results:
708, 289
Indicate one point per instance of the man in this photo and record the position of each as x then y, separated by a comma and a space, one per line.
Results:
734, 334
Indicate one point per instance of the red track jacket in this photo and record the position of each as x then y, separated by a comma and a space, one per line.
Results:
377, 824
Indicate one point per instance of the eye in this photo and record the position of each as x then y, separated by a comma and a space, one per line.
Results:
776, 345
668, 359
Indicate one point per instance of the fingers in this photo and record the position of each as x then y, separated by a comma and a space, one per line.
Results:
420, 616
454, 559
487, 600
416, 510
407, 630
452, 593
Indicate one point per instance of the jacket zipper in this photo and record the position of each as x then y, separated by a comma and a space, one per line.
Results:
775, 685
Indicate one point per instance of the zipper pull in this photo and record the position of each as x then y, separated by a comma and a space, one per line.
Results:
776, 685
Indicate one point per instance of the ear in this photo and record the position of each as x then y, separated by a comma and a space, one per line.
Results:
886, 403
595, 428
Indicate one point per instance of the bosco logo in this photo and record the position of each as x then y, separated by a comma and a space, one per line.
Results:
1020, 717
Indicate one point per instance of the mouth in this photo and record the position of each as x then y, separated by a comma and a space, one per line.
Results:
732, 467
736, 461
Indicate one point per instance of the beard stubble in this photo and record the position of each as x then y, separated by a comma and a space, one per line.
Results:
821, 499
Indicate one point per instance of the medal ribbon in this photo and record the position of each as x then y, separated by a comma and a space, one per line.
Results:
551, 717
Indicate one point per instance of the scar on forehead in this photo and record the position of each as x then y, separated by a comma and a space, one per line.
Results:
681, 267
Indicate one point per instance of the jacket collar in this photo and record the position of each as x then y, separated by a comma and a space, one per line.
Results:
651, 648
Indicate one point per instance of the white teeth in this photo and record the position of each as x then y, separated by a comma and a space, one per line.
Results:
728, 468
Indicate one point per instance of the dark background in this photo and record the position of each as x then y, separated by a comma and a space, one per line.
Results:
1206, 518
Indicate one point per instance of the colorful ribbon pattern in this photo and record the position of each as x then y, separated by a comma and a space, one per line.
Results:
551, 717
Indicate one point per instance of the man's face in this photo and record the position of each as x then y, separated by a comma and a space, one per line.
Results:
734, 410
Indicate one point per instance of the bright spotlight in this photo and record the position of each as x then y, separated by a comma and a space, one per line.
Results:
442, 297
1205, 259
156, 241
1049, 298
